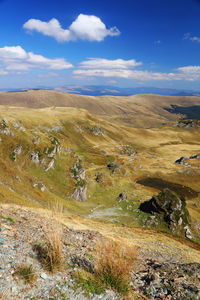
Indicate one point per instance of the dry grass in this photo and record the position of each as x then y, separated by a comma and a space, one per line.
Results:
115, 262
51, 252
27, 272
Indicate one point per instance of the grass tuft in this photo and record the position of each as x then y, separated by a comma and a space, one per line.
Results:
51, 252
27, 272
114, 264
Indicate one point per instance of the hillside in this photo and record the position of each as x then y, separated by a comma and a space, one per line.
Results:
136, 186
137, 111
67, 154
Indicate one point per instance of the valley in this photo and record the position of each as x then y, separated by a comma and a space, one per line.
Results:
136, 183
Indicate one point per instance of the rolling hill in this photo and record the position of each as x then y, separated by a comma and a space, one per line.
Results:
136, 111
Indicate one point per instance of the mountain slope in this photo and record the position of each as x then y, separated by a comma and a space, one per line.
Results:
137, 111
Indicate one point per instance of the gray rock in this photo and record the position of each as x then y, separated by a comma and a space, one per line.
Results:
80, 194
50, 165
22, 128
188, 233
35, 157
180, 161
97, 130
18, 150
36, 141
122, 197
44, 276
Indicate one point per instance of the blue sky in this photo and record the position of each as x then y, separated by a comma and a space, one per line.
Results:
125, 43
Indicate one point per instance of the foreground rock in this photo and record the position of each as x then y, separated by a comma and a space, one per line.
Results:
157, 275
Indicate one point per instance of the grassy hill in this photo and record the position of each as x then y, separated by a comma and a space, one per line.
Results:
136, 111
42, 151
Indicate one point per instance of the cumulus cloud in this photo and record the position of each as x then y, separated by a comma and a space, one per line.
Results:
16, 58
102, 63
119, 68
85, 27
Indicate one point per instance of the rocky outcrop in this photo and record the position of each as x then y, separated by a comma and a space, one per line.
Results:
80, 193
188, 124
127, 150
97, 130
50, 165
35, 157
181, 160
113, 167
122, 197
79, 174
5, 129
18, 150
169, 209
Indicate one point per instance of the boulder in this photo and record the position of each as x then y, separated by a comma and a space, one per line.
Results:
18, 150
122, 197
113, 167
97, 130
50, 165
35, 157
180, 161
170, 209
80, 193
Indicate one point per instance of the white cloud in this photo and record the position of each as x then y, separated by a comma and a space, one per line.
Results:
187, 36
16, 58
85, 27
119, 68
102, 63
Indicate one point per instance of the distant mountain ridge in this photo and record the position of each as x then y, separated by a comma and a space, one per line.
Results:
100, 90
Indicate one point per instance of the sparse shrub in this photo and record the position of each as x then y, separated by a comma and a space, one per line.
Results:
111, 159
10, 219
50, 253
114, 264
27, 272
88, 283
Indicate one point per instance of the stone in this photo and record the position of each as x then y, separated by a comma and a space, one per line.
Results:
35, 157
139, 167
18, 150
44, 276
50, 165
113, 167
36, 141
188, 233
97, 130
122, 197
43, 187
180, 161
80, 194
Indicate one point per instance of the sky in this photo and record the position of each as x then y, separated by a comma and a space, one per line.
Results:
123, 43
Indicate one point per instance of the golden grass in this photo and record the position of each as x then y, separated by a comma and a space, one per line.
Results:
51, 252
27, 272
115, 262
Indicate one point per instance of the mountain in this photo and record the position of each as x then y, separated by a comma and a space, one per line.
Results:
95, 90
137, 110
85, 177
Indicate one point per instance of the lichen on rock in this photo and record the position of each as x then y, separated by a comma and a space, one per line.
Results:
170, 209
